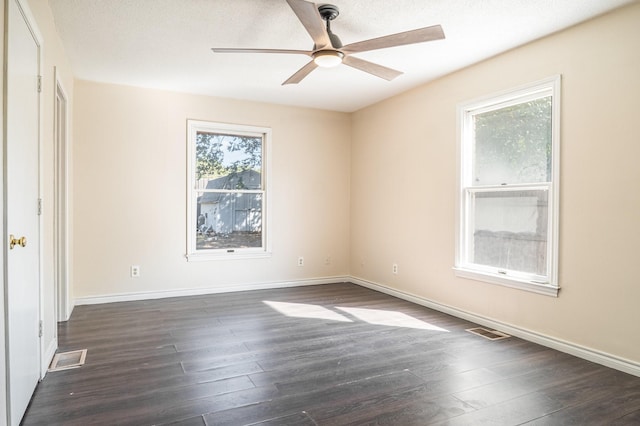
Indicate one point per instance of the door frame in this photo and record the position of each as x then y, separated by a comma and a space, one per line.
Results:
37, 35
61, 200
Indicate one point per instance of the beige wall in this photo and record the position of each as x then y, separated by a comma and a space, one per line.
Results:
404, 179
130, 157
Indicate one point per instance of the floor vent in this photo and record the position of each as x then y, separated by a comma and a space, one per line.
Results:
488, 334
68, 360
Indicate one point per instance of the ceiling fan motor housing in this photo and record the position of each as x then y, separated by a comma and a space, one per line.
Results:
328, 12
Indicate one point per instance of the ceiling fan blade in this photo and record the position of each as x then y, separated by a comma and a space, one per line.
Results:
408, 37
301, 73
371, 68
308, 14
240, 50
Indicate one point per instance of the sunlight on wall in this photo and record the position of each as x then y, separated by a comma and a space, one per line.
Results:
371, 316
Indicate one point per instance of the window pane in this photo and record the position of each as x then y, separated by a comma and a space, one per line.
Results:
513, 144
509, 230
232, 161
228, 220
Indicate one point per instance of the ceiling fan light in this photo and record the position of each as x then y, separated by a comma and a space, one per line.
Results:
328, 58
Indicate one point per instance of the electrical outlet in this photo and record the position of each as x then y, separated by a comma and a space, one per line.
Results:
301, 261
394, 268
135, 271
327, 260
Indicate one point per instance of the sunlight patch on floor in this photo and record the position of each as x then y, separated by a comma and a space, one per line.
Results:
371, 316
389, 318
304, 310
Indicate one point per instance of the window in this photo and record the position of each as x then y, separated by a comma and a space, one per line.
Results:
227, 175
508, 188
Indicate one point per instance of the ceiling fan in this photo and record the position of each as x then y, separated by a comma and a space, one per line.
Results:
328, 50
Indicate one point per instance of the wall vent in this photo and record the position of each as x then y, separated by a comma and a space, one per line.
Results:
68, 360
488, 334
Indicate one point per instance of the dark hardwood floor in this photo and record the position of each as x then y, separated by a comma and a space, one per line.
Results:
322, 355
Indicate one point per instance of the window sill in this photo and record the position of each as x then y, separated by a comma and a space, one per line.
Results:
545, 289
203, 257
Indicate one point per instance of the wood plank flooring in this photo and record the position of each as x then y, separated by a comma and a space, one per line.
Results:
333, 354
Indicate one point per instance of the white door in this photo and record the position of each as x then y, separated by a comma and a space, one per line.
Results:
22, 179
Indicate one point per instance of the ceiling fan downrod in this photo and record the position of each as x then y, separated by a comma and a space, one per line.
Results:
329, 12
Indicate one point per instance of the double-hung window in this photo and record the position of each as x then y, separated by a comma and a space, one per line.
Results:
508, 188
227, 190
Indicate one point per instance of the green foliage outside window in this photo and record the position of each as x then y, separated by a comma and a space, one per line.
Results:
513, 144
219, 154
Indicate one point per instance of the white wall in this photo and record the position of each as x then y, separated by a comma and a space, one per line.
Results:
130, 192
404, 178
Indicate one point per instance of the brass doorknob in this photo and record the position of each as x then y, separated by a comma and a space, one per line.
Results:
13, 241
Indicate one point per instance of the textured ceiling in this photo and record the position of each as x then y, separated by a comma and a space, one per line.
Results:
165, 44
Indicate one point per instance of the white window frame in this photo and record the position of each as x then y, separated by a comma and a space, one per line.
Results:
195, 126
547, 285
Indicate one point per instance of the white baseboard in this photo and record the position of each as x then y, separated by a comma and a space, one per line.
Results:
583, 352
47, 357
72, 304
128, 297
